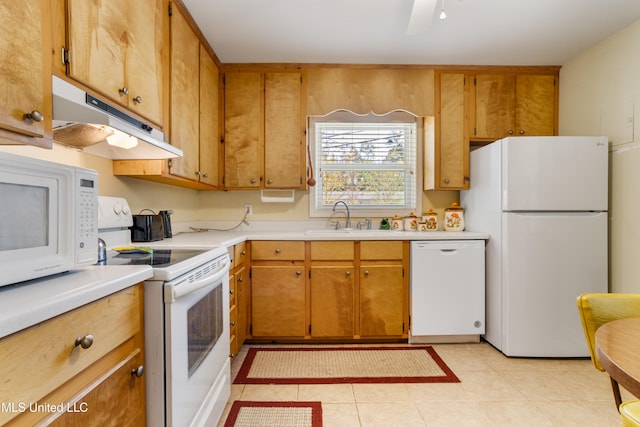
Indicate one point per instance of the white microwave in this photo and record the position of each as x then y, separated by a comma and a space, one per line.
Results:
48, 218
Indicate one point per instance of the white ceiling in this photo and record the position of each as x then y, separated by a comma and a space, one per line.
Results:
478, 32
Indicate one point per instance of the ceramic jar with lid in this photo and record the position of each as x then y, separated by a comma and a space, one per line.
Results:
454, 218
411, 222
431, 220
397, 223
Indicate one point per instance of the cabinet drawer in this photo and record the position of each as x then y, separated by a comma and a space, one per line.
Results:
37, 360
269, 250
240, 254
332, 251
381, 250
232, 290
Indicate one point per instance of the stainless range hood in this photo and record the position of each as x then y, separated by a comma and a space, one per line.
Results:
83, 121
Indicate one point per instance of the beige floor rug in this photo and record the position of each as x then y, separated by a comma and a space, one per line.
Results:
332, 365
271, 414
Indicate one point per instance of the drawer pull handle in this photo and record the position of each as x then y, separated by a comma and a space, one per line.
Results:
137, 372
85, 341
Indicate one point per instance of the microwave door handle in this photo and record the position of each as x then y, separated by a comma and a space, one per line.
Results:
172, 293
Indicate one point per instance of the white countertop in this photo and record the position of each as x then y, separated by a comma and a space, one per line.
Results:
28, 303
212, 238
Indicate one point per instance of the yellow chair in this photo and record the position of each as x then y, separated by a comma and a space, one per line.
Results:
630, 413
598, 309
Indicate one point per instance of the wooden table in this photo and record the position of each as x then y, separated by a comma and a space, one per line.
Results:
618, 349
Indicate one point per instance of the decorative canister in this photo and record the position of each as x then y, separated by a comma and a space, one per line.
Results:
431, 220
422, 226
454, 218
397, 223
411, 222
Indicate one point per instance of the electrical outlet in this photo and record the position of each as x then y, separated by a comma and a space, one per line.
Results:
248, 210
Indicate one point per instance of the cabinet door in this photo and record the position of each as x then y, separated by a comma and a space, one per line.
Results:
243, 294
535, 105
22, 86
284, 132
185, 60
209, 116
494, 106
117, 399
381, 300
144, 71
243, 131
332, 301
451, 153
98, 42
278, 301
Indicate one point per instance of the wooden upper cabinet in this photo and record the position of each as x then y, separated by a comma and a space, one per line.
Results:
447, 157
185, 96
209, 119
25, 86
243, 130
116, 49
514, 105
284, 124
264, 125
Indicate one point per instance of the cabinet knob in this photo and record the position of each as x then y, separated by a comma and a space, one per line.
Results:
123, 91
510, 132
366, 273
85, 341
137, 100
521, 131
269, 181
446, 180
240, 279
277, 250
34, 116
253, 180
206, 175
137, 372
230, 291
197, 173
243, 253
232, 323
348, 273
298, 273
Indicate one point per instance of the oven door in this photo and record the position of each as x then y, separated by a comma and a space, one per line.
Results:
197, 347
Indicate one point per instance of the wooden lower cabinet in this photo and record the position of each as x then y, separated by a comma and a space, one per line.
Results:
381, 300
100, 385
329, 290
332, 303
278, 301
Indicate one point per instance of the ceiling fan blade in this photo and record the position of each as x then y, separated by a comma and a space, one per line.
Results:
421, 16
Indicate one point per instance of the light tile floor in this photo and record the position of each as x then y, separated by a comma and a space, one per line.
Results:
495, 390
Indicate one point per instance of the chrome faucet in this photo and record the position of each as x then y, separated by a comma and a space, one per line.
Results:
348, 223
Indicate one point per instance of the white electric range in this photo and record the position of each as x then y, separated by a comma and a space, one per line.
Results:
187, 368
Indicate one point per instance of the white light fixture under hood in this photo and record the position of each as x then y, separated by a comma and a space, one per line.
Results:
83, 121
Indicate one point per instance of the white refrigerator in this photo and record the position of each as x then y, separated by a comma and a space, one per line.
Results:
543, 201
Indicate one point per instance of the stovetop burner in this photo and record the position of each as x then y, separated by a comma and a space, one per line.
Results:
158, 258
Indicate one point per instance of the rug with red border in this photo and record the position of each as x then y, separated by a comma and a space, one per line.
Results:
336, 365
270, 414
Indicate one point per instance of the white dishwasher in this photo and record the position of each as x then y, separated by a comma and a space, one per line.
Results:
447, 291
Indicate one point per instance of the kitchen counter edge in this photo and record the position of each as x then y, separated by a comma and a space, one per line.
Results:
28, 303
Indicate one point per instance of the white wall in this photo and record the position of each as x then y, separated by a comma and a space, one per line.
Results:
600, 95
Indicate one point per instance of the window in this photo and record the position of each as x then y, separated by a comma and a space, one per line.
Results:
369, 162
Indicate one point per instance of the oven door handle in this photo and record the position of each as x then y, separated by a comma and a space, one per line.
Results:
172, 293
